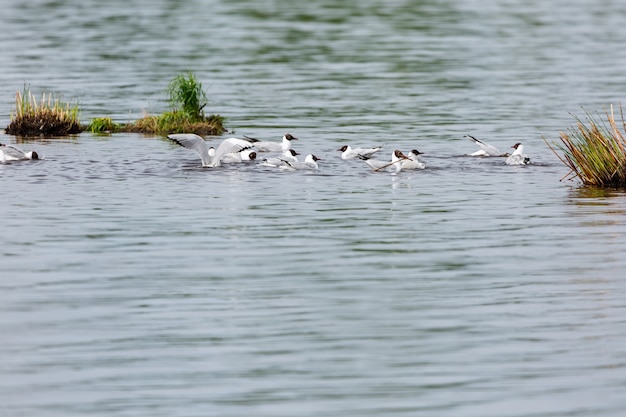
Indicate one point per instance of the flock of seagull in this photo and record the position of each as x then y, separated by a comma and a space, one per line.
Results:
286, 158
283, 157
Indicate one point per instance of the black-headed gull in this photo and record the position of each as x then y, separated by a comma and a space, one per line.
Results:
210, 157
348, 153
288, 155
517, 157
485, 148
394, 166
310, 163
236, 157
413, 162
13, 153
266, 146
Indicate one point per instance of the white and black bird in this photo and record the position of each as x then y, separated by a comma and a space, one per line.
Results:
485, 148
309, 163
210, 157
267, 146
245, 155
517, 157
13, 153
394, 166
413, 161
288, 155
348, 153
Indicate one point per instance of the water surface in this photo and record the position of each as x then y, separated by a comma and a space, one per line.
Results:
135, 282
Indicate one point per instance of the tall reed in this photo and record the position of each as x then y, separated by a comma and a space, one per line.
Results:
594, 152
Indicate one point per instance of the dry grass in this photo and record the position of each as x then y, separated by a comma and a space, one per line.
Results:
48, 116
595, 153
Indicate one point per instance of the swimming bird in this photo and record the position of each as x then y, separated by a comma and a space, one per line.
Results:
348, 153
518, 157
266, 146
288, 155
310, 163
413, 162
485, 148
236, 157
394, 166
210, 157
13, 153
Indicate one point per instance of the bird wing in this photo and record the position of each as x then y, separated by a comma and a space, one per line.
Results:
13, 152
193, 142
263, 146
375, 163
227, 146
368, 152
489, 149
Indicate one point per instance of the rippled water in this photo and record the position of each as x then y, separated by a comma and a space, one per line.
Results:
134, 282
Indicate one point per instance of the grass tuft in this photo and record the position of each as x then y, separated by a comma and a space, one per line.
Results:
104, 125
594, 152
186, 94
48, 116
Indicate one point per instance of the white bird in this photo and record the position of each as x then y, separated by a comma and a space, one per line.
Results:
210, 157
518, 157
348, 153
236, 157
394, 166
310, 163
265, 146
485, 148
288, 155
13, 153
413, 162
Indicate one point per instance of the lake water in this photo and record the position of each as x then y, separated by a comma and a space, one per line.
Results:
136, 283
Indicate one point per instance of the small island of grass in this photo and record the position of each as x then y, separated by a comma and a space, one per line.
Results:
49, 116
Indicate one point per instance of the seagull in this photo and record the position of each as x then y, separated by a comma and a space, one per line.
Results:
288, 155
394, 166
210, 157
310, 163
236, 157
413, 162
13, 153
264, 146
348, 153
518, 157
485, 148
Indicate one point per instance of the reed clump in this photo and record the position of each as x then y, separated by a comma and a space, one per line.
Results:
594, 152
48, 116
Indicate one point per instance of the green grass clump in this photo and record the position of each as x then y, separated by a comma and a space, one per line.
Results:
594, 153
186, 94
48, 116
104, 125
